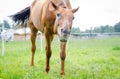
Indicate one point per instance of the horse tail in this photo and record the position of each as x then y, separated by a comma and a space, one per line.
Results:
21, 17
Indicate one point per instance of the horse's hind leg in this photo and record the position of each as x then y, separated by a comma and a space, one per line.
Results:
33, 40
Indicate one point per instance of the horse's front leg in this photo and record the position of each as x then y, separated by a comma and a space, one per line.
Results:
62, 56
49, 39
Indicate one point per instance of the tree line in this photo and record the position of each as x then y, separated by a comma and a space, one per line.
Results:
6, 25
105, 29
99, 29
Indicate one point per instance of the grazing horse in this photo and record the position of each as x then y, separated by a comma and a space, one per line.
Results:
50, 17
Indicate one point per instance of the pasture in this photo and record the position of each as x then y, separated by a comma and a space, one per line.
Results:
86, 59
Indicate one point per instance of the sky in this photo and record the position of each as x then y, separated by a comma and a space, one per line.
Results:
92, 13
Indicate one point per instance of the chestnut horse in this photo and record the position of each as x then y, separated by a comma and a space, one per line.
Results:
50, 17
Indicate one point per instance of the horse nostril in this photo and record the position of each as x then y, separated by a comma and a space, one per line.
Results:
66, 31
61, 30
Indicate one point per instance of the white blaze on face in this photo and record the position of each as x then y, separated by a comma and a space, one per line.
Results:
64, 27
66, 23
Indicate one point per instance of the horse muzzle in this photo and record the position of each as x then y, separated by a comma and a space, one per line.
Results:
64, 36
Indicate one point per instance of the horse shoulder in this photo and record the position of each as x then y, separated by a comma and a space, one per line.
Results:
48, 16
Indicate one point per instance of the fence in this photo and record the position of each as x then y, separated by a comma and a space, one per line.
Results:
94, 35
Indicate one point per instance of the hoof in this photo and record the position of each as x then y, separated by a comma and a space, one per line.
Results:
62, 73
47, 70
32, 65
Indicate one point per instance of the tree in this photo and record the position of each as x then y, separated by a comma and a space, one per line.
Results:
0, 27
6, 24
108, 29
75, 30
117, 27
96, 30
103, 29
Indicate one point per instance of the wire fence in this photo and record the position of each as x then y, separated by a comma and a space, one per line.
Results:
94, 35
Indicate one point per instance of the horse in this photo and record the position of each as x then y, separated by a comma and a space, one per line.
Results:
51, 17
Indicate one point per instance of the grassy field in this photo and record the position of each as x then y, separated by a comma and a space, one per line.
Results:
86, 59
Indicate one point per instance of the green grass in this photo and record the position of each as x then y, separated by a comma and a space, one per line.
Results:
86, 59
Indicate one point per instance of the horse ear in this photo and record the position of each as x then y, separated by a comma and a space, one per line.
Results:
54, 6
75, 10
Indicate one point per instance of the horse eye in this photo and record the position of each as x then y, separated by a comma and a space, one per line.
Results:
57, 24
73, 18
64, 7
58, 14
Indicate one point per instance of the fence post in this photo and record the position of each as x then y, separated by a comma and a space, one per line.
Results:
41, 41
2, 39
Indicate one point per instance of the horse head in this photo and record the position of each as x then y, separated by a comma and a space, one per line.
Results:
63, 21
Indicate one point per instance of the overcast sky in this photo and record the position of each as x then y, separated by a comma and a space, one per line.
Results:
92, 13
